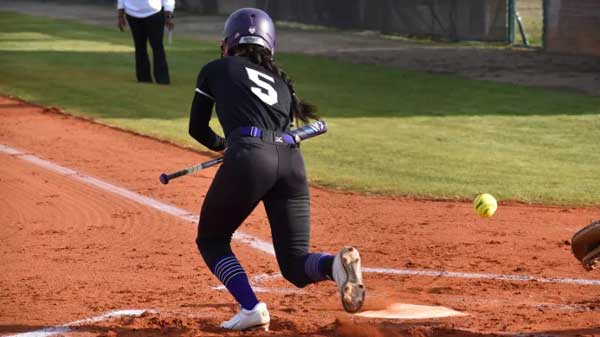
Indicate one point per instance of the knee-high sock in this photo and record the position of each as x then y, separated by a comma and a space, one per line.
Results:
318, 267
229, 271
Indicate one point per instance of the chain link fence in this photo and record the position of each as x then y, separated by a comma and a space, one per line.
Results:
483, 20
565, 26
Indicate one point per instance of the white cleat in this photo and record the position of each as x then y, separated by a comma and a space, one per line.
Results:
257, 318
347, 275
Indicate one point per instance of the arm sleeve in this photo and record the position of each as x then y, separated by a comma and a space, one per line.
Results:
120, 4
168, 5
200, 115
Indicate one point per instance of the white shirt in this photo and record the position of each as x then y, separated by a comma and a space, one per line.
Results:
145, 8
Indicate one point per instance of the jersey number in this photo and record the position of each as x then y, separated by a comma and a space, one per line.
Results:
265, 90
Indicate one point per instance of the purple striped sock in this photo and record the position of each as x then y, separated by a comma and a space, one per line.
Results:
318, 266
229, 271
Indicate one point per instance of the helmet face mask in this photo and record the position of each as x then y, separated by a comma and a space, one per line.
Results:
248, 26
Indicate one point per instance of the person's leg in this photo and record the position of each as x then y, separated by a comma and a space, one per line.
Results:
287, 206
241, 181
156, 27
140, 40
290, 230
288, 209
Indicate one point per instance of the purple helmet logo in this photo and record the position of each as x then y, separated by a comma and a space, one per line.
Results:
250, 26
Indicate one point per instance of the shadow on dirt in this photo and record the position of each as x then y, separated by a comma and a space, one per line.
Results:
387, 329
175, 325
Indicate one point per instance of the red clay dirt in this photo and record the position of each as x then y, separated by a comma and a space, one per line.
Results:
72, 251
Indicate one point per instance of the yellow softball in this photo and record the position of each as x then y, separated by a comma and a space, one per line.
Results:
485, 205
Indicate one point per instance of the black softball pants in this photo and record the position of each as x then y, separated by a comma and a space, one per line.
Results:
257, 170
149, 29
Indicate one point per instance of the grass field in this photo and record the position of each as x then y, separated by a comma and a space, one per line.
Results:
391, 131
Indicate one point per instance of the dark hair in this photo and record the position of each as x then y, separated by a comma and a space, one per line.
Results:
301, 110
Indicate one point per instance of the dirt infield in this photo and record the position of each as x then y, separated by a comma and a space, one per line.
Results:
74, 248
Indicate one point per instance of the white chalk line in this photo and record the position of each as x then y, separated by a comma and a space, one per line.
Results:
496, 277
264, 246
69, 326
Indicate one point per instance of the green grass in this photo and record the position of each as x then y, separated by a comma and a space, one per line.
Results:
391, 131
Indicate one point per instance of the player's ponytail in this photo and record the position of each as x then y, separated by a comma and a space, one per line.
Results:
301, 110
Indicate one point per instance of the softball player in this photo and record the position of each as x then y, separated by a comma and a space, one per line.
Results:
256, 104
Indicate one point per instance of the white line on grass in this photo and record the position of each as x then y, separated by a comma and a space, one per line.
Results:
262, 245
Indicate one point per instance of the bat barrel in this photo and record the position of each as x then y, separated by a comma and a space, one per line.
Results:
310, 130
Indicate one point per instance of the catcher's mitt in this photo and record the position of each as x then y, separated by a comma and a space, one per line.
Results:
586, 245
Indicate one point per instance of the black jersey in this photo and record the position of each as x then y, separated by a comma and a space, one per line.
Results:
245, 94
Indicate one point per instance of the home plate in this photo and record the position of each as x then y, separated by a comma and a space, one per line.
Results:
411, 311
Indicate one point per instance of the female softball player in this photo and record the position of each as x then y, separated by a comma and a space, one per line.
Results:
256, 104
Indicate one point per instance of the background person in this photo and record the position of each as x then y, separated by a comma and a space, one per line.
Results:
147, 19
256, 105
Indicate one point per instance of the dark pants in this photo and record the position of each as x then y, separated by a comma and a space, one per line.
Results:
149, 29
257, 170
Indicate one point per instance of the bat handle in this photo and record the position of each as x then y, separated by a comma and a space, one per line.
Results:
164, 178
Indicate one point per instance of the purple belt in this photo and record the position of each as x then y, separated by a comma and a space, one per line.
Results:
253, 131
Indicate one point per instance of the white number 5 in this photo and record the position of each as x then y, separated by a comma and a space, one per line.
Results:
265, 90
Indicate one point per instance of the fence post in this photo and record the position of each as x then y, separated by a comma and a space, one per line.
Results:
544, 22
511, 22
